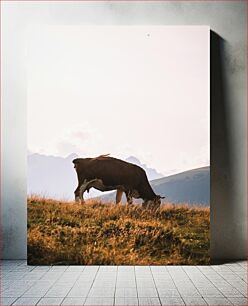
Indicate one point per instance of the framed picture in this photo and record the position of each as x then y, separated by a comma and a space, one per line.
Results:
118, 145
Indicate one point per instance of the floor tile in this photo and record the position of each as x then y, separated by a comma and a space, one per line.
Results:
73, 301
126, 275
239, 301
189, 292
26, 301
58, 291
7, 300
79, 291
58, 268
230, 292
217, 301
15, 275
41, 268
141, 282
52, 276
164, 292
102, 292
99, 301
13, 292
88, 269
38, 290
125, 269
104, 283
166, 301
149, 301
50, 301
162, 276
209, 292
194, 301
108, 269
165, 284
126, 283
121, 301
75, 269
147, 292
126, 292
158, 269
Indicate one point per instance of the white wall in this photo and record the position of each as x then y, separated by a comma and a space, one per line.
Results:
228, 105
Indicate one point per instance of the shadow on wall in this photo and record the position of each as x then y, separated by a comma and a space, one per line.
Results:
221, 177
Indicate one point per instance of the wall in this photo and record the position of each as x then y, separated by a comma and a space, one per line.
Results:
227, 20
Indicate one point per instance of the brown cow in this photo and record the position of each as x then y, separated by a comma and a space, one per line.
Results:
106, 173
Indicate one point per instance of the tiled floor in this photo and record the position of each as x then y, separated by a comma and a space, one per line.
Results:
123, 285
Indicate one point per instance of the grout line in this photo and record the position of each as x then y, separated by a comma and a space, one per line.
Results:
116, 283
237, 273
231, 284
72, 285
38, 301
176, 286
98, 268
135, 277
211, 282
155, 286
233, 303
193, 283
13, 301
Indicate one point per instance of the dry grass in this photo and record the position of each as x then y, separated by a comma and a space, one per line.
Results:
109, 234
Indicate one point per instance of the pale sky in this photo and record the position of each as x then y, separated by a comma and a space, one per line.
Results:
124, 90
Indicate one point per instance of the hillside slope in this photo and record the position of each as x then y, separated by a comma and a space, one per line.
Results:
192, 187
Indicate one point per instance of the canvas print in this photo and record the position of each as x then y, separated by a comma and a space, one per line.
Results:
118, 145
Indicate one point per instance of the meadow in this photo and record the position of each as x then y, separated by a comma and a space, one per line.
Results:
94, 233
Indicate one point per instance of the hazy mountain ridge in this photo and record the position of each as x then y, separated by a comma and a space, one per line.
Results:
192, 186
51, 176
151, 173
55, 177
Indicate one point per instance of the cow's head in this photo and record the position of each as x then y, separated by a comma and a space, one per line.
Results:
158, 199
153, 204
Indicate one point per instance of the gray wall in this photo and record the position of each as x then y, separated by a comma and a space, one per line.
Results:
228, 105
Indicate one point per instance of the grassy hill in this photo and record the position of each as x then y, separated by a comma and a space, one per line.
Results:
109, 234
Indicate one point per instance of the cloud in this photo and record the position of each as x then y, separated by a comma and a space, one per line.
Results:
65, 148
82, 139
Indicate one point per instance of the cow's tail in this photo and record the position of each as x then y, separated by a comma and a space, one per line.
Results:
101, 156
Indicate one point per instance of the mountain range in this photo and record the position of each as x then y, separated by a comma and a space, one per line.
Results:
53, 176
192, 187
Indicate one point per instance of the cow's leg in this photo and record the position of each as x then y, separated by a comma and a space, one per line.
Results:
118, 196
145, 204
85, 186
77, 194
129, 198
81, 194
82, 199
